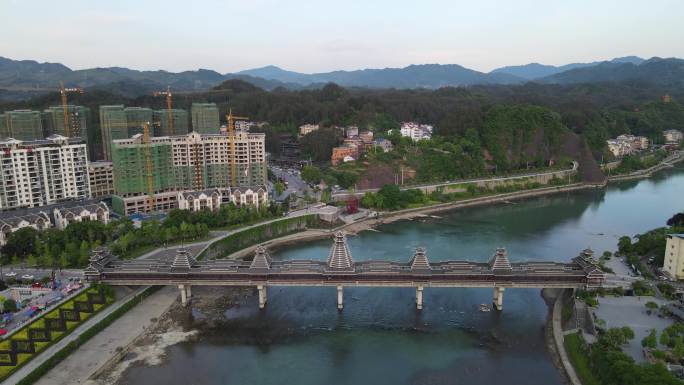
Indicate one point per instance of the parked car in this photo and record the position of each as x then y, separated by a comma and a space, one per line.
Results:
11, 274
27, 277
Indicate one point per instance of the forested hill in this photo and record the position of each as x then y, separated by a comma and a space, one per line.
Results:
667, 72
514, 124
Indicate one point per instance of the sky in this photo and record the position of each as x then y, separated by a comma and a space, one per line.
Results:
320, 36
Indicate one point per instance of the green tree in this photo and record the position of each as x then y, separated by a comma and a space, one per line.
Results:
279, 188
664, 338
312, 174
650, 341
20, 243
625, 245
9, 305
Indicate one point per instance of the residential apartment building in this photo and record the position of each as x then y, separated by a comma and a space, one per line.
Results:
21, 125
101, 176
42, 172
673, 264
205, 118
673, 136
179, 119
306, 129
185, 162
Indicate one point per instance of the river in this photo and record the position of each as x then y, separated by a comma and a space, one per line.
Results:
380, 338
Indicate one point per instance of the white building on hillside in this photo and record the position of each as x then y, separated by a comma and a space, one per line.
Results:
306, 129
673, 136
416, 131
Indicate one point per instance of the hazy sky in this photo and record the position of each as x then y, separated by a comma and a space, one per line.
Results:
317, 36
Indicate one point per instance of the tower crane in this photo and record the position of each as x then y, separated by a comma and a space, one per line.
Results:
63, 93
169, 107
148, 165
230, 131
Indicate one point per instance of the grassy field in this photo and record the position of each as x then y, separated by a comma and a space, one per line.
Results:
574, 346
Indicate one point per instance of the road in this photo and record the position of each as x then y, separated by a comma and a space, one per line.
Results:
575, 166
197, 247
25, 314
295, 184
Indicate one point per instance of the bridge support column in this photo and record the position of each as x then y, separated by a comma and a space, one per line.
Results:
340, 297
262, 296
419, 297
184, 298
498, 297
188, 292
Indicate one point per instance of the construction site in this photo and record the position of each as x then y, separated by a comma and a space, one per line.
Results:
148, 171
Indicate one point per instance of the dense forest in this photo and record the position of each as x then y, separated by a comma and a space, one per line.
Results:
516, 124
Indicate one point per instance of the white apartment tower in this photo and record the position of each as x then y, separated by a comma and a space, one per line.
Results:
42, 172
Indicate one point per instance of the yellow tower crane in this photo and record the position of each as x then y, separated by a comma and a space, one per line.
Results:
230, 131
169, 107
63, 93
148, 165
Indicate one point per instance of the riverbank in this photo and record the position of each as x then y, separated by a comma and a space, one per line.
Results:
407, 214
112, 343
648, 172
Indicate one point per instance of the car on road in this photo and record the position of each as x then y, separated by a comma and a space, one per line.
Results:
27, 277
11, 274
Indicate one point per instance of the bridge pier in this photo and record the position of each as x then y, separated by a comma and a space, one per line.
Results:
263, 296
498, 298
340, 298
419, 297
188, 291
184, 298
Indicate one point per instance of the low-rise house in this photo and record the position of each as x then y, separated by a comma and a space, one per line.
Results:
673, 136
59, 215
351, 131
209, 199
64, 216
11, 222
339, 153
384, 144
256, 196
618, 149
306, 129
627, 144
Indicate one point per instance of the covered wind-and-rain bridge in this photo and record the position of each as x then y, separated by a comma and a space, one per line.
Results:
341, 270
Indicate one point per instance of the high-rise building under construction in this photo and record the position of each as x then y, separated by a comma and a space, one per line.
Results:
119, 122
77, 120
205, 118
184, 162
179, 119
112, 126
136, 118
21, 125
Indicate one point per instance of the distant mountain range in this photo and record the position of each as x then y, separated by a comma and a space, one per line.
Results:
535, 70
25, 78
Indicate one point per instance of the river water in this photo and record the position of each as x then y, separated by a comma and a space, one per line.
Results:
380, 338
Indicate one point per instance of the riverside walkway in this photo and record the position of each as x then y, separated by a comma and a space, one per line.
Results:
340, 270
